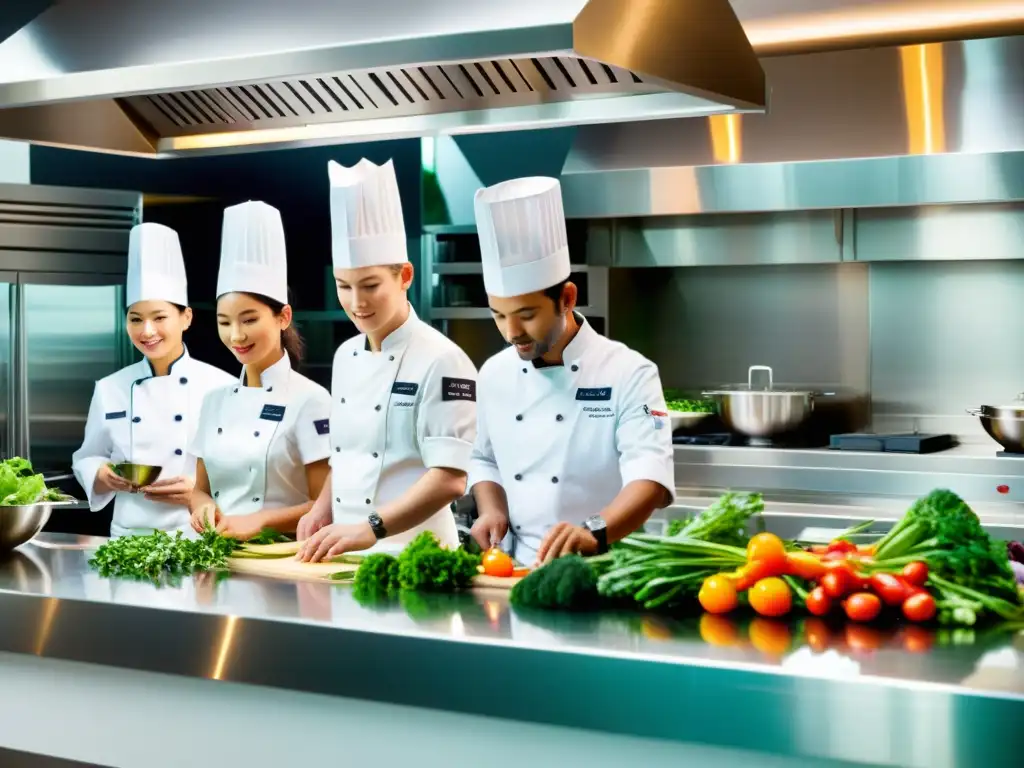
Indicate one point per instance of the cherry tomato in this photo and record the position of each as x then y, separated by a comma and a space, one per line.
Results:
717, 594
841, 545
837, 583
818, 603
861, 639
915, 573
919, 607
497, 563
767, 548
862, 606
655, 629
917, 639
748, 575
891, 589
770, 637
718, 630
770, 597
805, 565
817, 635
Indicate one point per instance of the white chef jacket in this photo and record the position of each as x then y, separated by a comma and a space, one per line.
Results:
145, 419
395, 414
563, 440
255, 442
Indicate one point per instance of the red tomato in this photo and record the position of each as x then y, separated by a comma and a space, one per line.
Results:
841, 545
862, 606
917, 639
915, 573
497, 563
805, 565
891, 589
837, 583
717, 595
770, 597
817, 635
767, 548
861, 639
818, 603
919, 607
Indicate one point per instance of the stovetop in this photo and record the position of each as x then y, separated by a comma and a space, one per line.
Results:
729, 439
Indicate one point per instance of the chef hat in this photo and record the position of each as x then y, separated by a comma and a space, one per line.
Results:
252, 253
366, 215
523, 241
156, 270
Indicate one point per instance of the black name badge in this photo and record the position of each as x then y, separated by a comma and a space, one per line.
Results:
458, 389
408, 388
272, 413
323, 426
594, 393
117, 415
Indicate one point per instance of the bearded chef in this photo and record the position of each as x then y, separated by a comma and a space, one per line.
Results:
263, 440
148, 412
403, 413
573, 448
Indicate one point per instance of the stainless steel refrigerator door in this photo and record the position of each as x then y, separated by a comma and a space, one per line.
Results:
74, 335
8, 286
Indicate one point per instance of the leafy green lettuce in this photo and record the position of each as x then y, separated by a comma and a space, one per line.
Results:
20, 485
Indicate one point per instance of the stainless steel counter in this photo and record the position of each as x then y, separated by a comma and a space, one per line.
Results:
802, 691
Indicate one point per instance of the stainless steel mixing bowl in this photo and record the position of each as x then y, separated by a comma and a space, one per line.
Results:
763, 413
138, 475
18, 524
1007, 430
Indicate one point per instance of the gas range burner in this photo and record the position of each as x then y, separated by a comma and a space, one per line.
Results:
1010, 454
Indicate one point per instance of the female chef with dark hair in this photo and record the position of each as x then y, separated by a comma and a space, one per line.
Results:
147, 412
404, 395
263, 441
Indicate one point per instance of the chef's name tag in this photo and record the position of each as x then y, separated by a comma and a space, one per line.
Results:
458, 389
322, 426
407, 388
117, 415
593, 394
272, 413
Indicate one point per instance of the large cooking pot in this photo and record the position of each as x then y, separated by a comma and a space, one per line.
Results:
1003, 423
763, 412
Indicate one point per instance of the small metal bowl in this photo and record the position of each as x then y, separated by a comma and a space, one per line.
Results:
138, 475
18, 524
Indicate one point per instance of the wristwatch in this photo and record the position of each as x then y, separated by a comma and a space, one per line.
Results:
377, 525
599, 530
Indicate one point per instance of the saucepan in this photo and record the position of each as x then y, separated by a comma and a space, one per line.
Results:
766, 411
1004, 423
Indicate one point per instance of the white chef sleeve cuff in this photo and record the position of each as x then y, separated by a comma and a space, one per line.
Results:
446, 453
652, 469
85, 472
482, 472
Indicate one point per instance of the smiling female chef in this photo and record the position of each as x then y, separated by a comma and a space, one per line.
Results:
404, 396
147, 412
262, 441
573, 451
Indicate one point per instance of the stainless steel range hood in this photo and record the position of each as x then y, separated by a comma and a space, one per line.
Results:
205, 76
928, 124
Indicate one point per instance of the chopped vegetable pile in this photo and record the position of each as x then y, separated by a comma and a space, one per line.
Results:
21, 485
568, 583
424, 565
689, 405
160, 555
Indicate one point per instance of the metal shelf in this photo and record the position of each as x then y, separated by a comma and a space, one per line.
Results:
476, 268
483, 313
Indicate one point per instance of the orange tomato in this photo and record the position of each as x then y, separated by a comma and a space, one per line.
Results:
767, 548
771, 638
817, 635
718, 630
804, 565
497, 563
748, 575
717, 594
655, 629
771, 597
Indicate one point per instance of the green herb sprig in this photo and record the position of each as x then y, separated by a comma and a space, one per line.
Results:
159, 556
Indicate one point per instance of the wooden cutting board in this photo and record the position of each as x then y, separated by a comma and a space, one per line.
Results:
288, 568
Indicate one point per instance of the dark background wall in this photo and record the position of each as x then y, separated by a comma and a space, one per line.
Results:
294, 181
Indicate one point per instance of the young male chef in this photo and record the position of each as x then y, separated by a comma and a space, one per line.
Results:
573, 448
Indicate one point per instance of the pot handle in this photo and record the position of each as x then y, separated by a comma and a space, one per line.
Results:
766, 368
973, 411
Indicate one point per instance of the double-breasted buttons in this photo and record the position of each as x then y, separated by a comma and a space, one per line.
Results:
216, 494
255, 498
337, 449
376, 455
343, 400
256, 433
554, 479
368, 501
391, 358
136, 419
376, 407
177, 451
220, 430
236, 390
270, 389
519, 417
519, 477
183, 380
178, 417
558, 417
574, 368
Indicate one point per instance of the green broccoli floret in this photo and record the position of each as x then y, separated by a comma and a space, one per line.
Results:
376, 578
567, 584
425, 565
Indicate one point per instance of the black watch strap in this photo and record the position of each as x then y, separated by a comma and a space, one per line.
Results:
377, 525
599, 530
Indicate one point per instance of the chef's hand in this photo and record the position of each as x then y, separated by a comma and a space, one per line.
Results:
241, 527
205, 516
336, 540
108, 481
564, 539
489, 530
311, 522
173, 490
